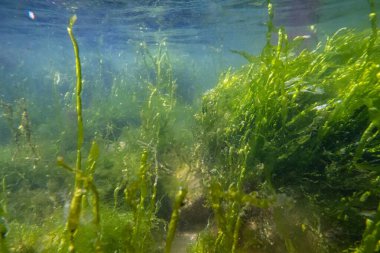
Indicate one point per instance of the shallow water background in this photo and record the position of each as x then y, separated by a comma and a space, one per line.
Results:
34, 43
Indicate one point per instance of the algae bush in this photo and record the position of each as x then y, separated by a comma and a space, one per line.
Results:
281, 156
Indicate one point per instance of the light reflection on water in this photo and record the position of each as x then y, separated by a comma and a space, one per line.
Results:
202, 33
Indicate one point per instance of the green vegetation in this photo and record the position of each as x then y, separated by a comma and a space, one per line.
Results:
84, 180
281, 156
301, 132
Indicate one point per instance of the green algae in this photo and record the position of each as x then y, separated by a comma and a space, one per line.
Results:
84, 183
286, 150
309, 121
178, 202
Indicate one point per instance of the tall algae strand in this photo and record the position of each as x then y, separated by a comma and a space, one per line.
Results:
84, 186
144, 188
178, 202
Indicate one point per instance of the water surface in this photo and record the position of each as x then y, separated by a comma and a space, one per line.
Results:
34, 40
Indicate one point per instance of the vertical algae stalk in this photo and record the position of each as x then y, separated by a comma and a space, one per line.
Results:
373, 19
270, 26
84, 182
181, 194
138, 231
78, 72
76, 201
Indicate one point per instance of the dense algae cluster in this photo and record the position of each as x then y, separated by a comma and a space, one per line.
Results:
302, 133
285, 151
304, 130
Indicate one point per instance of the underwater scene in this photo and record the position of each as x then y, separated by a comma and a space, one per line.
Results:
246, 126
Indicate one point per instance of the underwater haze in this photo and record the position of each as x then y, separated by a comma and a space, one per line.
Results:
189, 126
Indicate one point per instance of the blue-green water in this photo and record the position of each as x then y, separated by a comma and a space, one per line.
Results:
278, 149
200, 33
